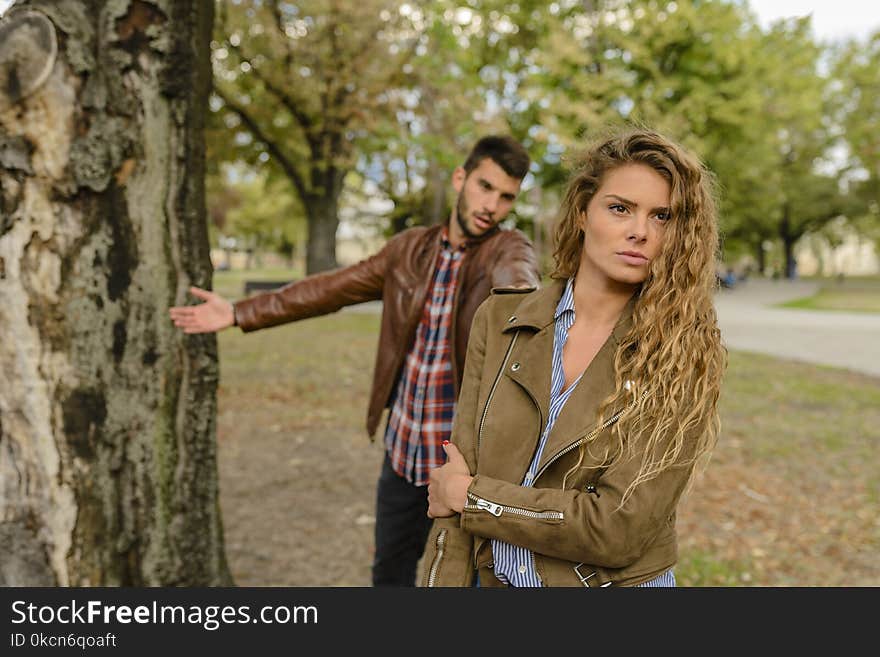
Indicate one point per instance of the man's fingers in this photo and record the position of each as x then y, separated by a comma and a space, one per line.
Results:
204, 295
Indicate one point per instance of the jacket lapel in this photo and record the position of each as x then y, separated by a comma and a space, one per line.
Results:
579, 415
528, 361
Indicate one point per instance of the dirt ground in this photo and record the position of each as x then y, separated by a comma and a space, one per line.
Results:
298, 473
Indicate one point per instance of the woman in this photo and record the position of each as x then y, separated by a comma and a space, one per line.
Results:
587, 404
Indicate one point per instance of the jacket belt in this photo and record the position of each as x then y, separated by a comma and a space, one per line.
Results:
590, 577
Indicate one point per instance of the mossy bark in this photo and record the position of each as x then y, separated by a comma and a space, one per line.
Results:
107, 414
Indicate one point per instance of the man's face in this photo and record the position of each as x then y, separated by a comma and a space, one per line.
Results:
485, 197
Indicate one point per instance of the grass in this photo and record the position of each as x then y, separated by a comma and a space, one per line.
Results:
851, 295
790, 497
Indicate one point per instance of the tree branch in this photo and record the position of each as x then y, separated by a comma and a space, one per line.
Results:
283, 161
303, 119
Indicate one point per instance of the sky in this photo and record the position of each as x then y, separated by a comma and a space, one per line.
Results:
832, 19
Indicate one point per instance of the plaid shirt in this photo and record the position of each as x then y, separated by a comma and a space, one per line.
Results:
424, 398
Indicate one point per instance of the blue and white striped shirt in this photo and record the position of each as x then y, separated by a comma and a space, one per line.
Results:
515, 565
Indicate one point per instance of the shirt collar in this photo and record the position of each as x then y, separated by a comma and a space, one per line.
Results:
566, 302
468, 242
446, 244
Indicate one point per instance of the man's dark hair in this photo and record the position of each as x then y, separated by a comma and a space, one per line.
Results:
505, 151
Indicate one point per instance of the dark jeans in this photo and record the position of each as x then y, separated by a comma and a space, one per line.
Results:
402, 526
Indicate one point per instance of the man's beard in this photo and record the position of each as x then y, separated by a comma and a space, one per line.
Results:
461, 210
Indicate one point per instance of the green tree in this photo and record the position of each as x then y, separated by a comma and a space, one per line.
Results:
465, 79
303, 84
797, 111
857, 74
268, 216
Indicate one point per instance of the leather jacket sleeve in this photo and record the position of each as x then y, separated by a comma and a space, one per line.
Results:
592, 528
517, 264
318, 294
449, 550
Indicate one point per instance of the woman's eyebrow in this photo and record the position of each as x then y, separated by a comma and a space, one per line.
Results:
626, 201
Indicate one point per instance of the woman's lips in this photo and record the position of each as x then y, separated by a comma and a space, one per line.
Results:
631, 259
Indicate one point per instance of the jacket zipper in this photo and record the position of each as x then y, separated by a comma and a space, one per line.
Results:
607, 423
492, 391
479, 504
441, 544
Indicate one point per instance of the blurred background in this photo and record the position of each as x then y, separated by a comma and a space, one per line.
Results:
344, 120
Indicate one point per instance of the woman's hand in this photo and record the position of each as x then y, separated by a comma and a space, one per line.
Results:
448, 484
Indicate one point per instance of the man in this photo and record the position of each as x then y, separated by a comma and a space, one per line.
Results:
431, 281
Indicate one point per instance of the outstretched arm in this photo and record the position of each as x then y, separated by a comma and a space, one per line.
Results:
318, 294
322, 293
215, 314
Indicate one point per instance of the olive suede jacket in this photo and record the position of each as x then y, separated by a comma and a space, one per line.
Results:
578, 534
400, 275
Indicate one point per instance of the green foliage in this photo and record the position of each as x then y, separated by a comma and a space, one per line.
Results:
268, 215
399, 91
256, 209
301, 84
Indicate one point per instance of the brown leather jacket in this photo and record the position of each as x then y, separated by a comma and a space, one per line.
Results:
400, 275
577, 532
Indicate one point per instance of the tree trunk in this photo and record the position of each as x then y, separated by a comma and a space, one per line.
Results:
788, 241
322, 219
790, 260
761, 258
438, 181
107, 413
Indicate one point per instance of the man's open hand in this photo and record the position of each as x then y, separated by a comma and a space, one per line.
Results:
215, 314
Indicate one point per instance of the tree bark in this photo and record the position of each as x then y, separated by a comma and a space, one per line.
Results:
322, 220
788, 242
107, 414
760, 257
790, 260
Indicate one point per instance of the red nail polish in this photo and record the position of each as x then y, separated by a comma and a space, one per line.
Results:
445, 442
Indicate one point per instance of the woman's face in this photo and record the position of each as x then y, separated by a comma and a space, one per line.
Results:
624, 225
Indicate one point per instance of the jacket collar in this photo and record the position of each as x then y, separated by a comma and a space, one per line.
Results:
538, 310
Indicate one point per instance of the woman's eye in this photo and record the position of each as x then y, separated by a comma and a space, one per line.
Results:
617, 207
662, 216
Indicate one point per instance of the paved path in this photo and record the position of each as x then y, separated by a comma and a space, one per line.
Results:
838, 339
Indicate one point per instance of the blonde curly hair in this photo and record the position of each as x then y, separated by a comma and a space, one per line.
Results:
673, 353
